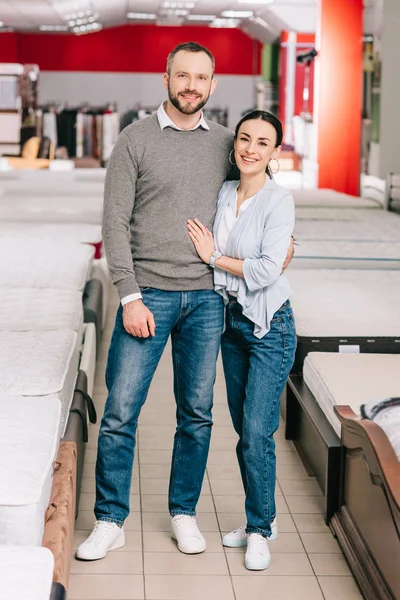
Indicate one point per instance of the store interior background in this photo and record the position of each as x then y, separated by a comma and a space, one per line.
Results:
338, 117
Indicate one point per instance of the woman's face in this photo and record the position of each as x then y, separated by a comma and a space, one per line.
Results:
255, 146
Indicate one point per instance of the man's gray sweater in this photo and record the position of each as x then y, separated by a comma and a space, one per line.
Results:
156, 180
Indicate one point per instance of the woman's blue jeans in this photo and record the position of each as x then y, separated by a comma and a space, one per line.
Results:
256, 371
195, 322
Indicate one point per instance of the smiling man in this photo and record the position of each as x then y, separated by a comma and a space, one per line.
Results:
163, 171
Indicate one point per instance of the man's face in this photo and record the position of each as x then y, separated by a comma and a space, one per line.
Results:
190, 82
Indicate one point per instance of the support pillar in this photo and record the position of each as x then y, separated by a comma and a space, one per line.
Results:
338, 94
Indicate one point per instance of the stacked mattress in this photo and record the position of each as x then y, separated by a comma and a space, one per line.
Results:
50, 208
25, 573
331, 199
350, 380
336, 254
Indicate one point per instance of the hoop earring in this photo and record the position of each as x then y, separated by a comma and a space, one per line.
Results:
230, 157
269, 165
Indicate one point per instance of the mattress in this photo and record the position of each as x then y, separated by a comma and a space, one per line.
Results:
350, 379
26, 573
29, 440
40, 363
345, 303
51, 208
346, 255
100, 272
33, 263
88, 359
56, 185
331, 198
322, 224
29, 309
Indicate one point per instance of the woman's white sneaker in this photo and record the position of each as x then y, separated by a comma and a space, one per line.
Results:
105, 536
187, 534
258, 556
238, 537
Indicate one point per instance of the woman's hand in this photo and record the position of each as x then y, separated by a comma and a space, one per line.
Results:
202, 239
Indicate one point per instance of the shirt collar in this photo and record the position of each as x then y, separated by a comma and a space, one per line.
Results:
165, 121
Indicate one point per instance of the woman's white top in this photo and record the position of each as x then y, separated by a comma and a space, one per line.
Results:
259, 235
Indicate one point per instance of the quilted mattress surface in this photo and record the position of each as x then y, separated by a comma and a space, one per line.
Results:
26, 573
78, 232
330, 198
51, 208
27, 309
350, 379
32, 263
346, 303
40, 363
35, 186
29, 439
347, 255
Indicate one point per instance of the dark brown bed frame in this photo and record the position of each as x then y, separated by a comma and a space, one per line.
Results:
367, 521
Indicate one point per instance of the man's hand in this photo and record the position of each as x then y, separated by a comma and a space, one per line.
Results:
138, 320
289, 255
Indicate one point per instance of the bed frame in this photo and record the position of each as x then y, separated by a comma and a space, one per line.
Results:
367, 520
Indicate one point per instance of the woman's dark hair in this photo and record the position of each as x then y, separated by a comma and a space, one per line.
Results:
268, 118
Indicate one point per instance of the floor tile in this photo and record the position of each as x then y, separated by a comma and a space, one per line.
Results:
222, 457
310, 523
106, 587
189, 587
281, 564
329, 564
155, 457
161, 541
300, 487
228, 487
320, 543
160, 486
339, 587
277, 588
176, 563
159, 503
86, 502
162, 522
291, 472
125, 563
222, 472
305, 504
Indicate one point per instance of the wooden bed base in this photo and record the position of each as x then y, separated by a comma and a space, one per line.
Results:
367, 522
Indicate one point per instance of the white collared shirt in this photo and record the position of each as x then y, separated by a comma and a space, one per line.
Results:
165, 121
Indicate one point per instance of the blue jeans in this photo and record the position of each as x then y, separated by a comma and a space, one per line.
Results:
195, 322
256, 371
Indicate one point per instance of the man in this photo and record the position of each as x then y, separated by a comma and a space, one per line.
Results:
163, 170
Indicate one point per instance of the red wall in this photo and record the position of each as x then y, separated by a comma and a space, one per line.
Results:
130, 48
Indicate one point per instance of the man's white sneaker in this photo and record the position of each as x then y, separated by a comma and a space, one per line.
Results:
239, 537
186, 533
258, 556
104, 537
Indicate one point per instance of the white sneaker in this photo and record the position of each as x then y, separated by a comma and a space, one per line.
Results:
258, 556
186, 533
239, 537
104, 537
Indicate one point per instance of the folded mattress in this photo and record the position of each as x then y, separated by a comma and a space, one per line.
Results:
26, 573
40, 363
345, 303
331, 198
30, 309
29, 440
32, 263
51, 208
350, 379
334, 254
369, 226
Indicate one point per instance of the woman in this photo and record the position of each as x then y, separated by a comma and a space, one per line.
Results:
252, 230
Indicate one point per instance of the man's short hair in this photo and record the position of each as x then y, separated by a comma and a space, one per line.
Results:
189, 47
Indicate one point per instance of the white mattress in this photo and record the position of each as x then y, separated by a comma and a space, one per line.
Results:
56, 185
40, 363
78, 232
376, 226
27, 309
51, 208
29, 440
330, 198
100, 272
29, 262
88, 359
26, 573
350, 379
346, 255
345, 303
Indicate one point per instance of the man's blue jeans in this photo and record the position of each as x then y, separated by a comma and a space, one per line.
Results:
195, 322
256, 371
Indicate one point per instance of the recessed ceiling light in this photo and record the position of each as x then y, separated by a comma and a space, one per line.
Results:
237, 14
229, 23
143, 16
201, 17
255, 1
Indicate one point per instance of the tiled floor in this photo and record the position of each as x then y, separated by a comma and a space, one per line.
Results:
307, 563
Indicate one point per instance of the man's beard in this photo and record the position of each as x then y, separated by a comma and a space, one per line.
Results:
186, 109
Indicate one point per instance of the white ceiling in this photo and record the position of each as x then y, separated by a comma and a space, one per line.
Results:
295, 15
